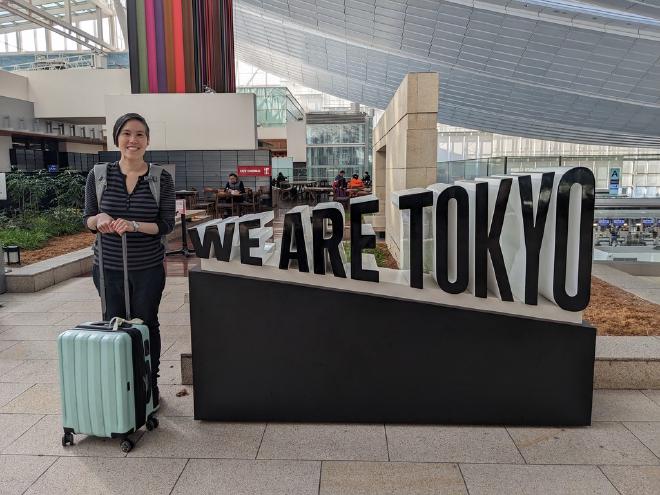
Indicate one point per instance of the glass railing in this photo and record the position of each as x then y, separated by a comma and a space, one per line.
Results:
275, 105
640, 174
317, 173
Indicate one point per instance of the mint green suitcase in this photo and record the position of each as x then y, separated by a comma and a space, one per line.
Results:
105, 375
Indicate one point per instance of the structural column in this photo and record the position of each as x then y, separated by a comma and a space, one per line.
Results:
405, 146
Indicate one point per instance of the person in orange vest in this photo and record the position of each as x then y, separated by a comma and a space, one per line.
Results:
356, 182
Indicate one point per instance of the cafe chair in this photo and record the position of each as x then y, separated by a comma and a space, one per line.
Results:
223, 204
249, 203
286, 193
264, 197
208, 201
192, 200
275, 197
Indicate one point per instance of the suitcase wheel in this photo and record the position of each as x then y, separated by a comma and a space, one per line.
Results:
152, 423
67, 439
126, 445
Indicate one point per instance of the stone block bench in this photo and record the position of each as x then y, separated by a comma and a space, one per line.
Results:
38, 276
627, 363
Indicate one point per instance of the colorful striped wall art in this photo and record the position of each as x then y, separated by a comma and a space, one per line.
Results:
181, 46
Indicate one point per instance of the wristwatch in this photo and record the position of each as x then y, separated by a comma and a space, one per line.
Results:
136, 226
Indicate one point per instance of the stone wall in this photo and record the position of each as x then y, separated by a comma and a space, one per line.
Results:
405, 149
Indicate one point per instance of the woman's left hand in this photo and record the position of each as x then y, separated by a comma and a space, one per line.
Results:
121, 226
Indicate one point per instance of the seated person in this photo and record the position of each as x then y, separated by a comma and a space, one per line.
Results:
366, 179
340, 181
234, 186
356, 182
280, 178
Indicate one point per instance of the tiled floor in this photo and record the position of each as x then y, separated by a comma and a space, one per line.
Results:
619, 454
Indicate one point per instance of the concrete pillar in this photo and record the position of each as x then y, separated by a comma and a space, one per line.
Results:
5, 146
405, 149
67, 11
99, 23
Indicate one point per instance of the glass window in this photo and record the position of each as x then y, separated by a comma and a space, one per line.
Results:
336, 134
57, 42
352, 133
40, 35
602, 171
69, 44
323, 134
89, 26
336, 156
106, 29
12, 44
486, 148
457, 149
27, 40
471, 143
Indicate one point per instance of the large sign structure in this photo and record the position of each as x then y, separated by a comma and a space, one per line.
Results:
516, 236
492, 335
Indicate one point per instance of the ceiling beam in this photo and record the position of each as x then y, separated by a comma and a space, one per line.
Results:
15, 28
45, 20
102, 6
120, 12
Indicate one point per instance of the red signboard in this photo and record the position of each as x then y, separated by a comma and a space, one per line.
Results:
254, 170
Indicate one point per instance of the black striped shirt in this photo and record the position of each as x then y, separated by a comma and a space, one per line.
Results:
144, 250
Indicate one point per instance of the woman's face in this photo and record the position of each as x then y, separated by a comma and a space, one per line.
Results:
133, 140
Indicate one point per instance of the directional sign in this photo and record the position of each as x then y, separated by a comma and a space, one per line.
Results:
615, 177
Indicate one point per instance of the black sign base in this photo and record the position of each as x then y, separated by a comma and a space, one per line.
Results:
266, 350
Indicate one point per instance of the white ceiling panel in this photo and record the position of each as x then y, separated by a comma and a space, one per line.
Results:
579, 70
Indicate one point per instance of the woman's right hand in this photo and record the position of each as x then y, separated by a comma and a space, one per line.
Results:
104, 223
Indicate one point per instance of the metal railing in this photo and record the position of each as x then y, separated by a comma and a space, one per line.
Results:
55, 62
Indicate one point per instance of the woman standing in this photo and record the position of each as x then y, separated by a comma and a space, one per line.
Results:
128, 206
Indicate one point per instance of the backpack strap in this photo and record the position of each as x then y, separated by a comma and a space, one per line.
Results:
100, 177
155, 171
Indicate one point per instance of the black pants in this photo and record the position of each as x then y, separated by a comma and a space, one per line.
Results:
145, 289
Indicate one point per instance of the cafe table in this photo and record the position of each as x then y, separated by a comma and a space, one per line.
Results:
183, 221
233, 199
316, 193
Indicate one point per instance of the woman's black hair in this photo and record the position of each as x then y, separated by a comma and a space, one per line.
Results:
233, 174
356, 176
121, 122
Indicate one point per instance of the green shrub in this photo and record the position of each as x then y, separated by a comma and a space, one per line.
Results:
27, 192
69, 189
41, 190
31, 230
26, 239
63, 221
379, 253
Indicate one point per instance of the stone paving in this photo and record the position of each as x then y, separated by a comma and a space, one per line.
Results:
619, 454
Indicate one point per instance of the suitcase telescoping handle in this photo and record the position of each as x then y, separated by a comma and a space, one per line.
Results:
124, 253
